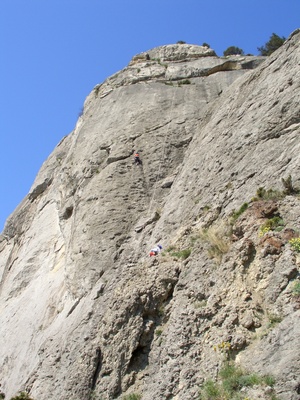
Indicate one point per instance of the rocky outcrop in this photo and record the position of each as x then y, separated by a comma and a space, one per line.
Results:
176, 65
85, 313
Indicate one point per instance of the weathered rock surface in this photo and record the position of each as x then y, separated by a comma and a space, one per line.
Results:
85, 313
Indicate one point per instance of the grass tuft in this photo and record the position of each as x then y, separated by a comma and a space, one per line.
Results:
218, 239
232, 380
239, 212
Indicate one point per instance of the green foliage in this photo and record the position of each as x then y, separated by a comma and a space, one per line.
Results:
132, 396
295, 244
183, 254
184, 82
269, 380
158, 332
170, 249
22, 396
273, 44
240, 211
270, 194
273, 224
296, 289
206, 208
233, 50
206, 45
161, 311
181, 42
210, 390
218, 239
274, 319
288, 186
232, 380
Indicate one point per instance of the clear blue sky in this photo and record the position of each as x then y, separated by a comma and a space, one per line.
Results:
53, 52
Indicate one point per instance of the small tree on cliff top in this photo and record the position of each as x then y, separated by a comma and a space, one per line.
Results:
233, 50
273, 44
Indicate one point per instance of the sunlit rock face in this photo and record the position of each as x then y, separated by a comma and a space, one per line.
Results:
85, 312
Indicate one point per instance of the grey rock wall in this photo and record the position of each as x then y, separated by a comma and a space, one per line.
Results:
85, 313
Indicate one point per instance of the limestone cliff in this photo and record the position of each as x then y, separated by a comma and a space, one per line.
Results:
85, 312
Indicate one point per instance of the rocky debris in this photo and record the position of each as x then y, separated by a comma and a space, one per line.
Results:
98, 317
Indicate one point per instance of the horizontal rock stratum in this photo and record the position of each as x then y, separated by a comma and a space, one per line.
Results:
86, 313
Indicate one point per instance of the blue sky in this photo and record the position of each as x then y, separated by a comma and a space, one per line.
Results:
53, 52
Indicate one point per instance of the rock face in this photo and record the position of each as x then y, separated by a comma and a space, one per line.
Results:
85, 312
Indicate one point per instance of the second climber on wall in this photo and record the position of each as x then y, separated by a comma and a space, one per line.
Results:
136, 159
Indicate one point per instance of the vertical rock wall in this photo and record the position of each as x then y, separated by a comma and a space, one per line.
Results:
84, 311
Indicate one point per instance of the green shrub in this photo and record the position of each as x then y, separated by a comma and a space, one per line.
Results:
270, 194
184, 82
206, 208
275, 224
232, 380
274, 319
289, 188
233, 50
161, 311
240, 211
249, 380
218, 239
272, 224
210, 390
269, 380
183, 254
273, 44
295, 244
296, 289
170, 249
158, 332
